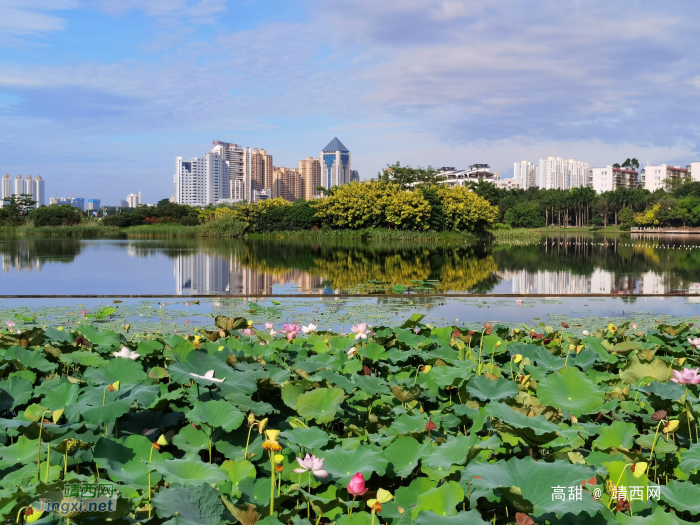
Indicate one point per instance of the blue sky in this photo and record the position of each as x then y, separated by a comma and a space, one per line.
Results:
100, 96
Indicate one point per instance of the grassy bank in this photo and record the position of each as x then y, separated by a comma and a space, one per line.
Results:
516, 234
369, 234
79, 230
160, 230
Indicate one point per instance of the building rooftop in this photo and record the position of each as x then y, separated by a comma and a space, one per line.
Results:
335, 145
621, 170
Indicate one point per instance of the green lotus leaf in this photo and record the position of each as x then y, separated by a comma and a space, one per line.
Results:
403, 455
682, 495
659, 517
237, 471
472, 517
144, 395
216, 414
189, 471
255, 491
107, 414
337, 380
148, 347
570, 389
483, 388
618, 434
344, 464
58, 336
119, 369
531, 483
83, 358
534, 430
320, 404
625, 347
454, 452
690, 459
199, 362
14, 392
104, 340
442, 500
371, 385
662, 446
246, 404
191, 439
23, 450
373, 351
147, 420
635, 370
193, 504
125, 459
312, 439
670, 390
24, 359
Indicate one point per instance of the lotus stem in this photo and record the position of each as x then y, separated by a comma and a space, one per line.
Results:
48, 460
353, 503
272, 484
250, 428
567, 356
372, 516
65, 464
19, 512
150, 458
308, 503
618, 483
41, 426
481, 343
653, 443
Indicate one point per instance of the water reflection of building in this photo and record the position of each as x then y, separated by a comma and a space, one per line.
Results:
599, 282
203, 273
20, 260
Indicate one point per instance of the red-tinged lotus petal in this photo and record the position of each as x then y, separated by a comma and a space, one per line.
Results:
456, 333
523, 519
430, 425
593, 481
477, 477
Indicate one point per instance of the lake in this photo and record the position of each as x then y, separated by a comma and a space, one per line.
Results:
557, 265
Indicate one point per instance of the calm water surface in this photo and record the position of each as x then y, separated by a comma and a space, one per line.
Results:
557, 265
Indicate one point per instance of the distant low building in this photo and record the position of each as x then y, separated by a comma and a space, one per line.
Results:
508, 184
354, 176
611, 178
694, 171
262, 195
476, 172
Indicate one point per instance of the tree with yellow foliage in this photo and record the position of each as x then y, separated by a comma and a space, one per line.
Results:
464, 210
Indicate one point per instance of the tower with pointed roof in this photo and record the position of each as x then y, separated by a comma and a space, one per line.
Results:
335, 164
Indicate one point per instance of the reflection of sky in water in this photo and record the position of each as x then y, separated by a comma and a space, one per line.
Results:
566, 265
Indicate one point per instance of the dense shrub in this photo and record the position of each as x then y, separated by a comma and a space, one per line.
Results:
56, 216
120, 221
525, 215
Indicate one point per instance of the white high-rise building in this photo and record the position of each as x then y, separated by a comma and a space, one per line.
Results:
335, 164
578, 173
29, 187
39, 191
5, 189
654, 177
555, 173
19, 186
239, 168
525, 173
201, 181
133, 200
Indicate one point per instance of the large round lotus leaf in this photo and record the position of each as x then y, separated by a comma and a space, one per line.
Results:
107, 414
119, 369
618, 434
194, 505
442, 500
15, 392
403, 455
534, 481
216, 414
237, 471
320, 404
670, 390
21, 451
659, 517
344, 464
29, 359
311, 439
682, 495
124, 459
104, 339
471, 517
191, 439
371, 385
373, 351
483, 388
454, 452
60, 397
83, 358
190, 471
572, 390
199, 363
635, 370
690, 459
534, 430
148, 347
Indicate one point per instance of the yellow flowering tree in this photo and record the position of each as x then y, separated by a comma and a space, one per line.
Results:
647, 217
465, 210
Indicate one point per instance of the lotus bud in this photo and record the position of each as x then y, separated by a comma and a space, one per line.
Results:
251, 419
262, 425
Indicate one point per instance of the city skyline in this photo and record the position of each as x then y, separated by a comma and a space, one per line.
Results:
101, 94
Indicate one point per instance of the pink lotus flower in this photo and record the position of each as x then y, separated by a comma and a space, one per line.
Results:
356, 487
695, 343
634, 326
312, 464
163, 304
519, 302
360, 330
248, 332
83, 312
585, 332
416, 330
187, 303
10, 324
269, 326
687, 376
291, 330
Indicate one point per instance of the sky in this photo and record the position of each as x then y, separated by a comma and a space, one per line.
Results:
100, 96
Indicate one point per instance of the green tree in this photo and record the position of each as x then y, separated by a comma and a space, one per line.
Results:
162, 202
626, 216
525, 215
405, 176
56, 216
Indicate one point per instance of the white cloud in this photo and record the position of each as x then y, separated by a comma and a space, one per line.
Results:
33, 17
450, 10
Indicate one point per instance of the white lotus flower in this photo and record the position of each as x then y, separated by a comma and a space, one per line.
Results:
208, 376
311, 328
352, 352
126, 352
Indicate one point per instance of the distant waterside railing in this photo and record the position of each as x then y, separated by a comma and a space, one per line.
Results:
679, 229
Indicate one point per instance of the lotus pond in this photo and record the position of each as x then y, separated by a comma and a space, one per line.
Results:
242, 421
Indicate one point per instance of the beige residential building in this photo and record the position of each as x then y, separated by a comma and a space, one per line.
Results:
286, 183
261, 169
310, 170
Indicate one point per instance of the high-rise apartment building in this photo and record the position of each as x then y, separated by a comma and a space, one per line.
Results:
5, 189
39, 191
239, 168
655, 177
93, 204
78, 202
611, 178
201, 181
525, 174
335, 164
310, 172
19, 186
354, 176
29, 187
261, 169
133, 200
286, 183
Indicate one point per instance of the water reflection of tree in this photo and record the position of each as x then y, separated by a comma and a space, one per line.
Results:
31, 253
